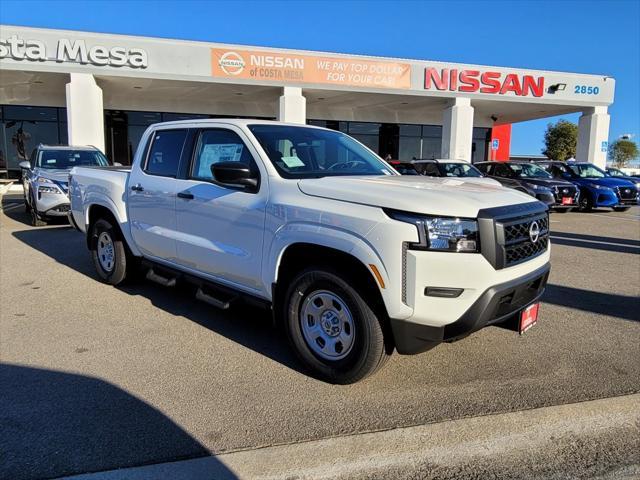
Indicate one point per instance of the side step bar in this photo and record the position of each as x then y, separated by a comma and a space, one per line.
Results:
213, 301
164, 281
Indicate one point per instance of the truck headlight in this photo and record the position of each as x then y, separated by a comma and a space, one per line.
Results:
443, 234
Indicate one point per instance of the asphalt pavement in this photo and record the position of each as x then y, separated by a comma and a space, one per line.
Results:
95, 377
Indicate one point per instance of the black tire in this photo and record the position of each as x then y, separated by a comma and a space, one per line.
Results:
367, 351
101, 230
27, 206
36, 219
620, 209
586, 203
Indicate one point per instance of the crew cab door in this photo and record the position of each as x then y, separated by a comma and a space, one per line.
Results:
221, 228
151, 195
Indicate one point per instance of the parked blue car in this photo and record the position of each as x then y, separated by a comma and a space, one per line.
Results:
597, 189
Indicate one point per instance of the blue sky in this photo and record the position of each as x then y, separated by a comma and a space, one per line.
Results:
599, 37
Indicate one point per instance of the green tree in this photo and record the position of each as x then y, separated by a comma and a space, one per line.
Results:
622, 151
561, 140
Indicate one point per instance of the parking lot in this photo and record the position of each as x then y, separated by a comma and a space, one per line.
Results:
144, 374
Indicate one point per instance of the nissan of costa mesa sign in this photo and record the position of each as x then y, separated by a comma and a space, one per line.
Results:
298, 68
72, 51
477, 81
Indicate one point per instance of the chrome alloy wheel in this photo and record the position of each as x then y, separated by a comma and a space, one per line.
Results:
106, 252
327, 325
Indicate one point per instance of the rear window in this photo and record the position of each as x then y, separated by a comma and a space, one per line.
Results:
166, 149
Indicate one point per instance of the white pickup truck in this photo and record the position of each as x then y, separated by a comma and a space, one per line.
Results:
354, 259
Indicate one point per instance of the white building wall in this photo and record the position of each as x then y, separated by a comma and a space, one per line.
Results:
457, 129
292, 106
85, 116
593, 136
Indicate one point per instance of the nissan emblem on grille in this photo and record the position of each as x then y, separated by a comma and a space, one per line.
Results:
565, 190
534, 231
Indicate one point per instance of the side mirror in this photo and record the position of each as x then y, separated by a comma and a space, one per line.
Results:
25, 165
234, 174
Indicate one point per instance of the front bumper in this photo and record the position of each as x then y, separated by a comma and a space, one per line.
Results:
498, 305
52, 204
605, 198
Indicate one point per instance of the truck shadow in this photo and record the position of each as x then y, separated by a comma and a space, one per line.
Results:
248, 326
620, 306
56, 423
608, 244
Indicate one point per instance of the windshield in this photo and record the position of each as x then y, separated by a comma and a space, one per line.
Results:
528, 170
587, 171
459, 170
303, 152
66, 159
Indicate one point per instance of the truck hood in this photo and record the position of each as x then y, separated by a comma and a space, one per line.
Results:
435, 196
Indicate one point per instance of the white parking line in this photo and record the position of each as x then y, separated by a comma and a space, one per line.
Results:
11, 207
634, 218
594, 241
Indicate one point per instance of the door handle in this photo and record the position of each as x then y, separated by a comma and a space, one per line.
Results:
137, 188
186, 195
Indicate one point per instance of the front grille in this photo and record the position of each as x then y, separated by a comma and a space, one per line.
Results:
525, 250
626, 193
519, 241
519, 232
561, 192
64, 186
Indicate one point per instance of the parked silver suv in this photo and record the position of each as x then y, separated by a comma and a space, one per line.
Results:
45, 178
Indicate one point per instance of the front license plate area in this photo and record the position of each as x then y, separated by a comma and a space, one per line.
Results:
528, 317
567, 201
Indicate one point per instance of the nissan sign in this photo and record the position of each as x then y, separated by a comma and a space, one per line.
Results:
477, 81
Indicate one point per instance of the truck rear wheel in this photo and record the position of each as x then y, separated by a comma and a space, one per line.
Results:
332, 328
108, 252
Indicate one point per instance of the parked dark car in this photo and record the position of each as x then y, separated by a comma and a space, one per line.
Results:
617, 173
403, 168
558, 194
596, 188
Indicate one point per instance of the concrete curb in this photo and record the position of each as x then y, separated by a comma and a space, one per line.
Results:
441, 446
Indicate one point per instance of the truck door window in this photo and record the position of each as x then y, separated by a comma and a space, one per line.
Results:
219, 145
165, 153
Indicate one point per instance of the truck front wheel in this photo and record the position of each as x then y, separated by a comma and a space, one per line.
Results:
332, 328
108, 252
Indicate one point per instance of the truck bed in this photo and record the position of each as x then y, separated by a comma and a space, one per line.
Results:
104, 186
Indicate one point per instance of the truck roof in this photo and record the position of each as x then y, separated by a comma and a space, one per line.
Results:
233, 121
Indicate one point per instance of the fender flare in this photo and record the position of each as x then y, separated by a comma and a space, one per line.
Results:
325, 236
93, 200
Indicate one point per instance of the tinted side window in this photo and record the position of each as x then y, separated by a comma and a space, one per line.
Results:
431, 170
485, 168
166, 149
219, 145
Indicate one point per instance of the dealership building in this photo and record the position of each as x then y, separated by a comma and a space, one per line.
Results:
80, 88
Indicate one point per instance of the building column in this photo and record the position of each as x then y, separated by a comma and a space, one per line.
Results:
85, 114
593, 136
457, 129
293, 106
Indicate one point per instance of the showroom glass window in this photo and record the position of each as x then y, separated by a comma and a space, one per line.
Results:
480, 144
23, 128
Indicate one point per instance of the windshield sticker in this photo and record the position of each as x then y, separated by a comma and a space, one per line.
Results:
292, 162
